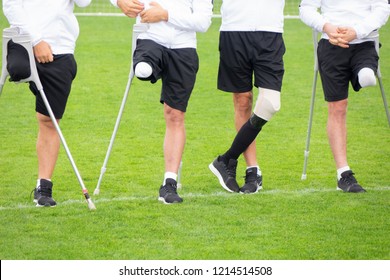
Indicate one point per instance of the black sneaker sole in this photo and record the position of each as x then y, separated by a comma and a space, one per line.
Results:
46, 205
361, 191
257, 190
165, 202
40, 205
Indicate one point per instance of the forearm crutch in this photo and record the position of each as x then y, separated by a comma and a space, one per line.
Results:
137, 30
306, 152
25, 41
379, 76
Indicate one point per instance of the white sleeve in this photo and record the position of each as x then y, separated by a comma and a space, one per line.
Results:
82, 3
309, 14
196, 19
374, 20
17, 17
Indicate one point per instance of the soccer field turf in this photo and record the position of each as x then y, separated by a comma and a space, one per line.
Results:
289, 219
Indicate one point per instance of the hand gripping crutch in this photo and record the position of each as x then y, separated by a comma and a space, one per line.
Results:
25, 41
138, 28
306, 153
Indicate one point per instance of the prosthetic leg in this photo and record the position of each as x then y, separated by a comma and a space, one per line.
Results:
25, 42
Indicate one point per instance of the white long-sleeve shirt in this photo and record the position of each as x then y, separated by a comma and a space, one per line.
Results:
365, 16
185, 18
252, 15
51, 21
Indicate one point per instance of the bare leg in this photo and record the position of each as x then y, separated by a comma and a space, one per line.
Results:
175, 138
337, 131
242, 112
48, 145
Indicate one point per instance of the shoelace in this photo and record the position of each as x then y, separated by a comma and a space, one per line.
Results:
170, 188
231, 170
43, 191
350, 179
251, 177
32, 192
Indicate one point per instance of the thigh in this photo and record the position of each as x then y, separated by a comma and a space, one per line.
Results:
235, 67
56, 78
268, 60
364, 55
18, 62
152, 53
335, 70
178, 77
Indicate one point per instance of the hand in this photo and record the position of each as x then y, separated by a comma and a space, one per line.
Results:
344, 35
339, 36
43, 52
130, 8
155, 13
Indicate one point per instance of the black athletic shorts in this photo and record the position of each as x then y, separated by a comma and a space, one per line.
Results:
56, 77
339, 66
247, 54
177, 69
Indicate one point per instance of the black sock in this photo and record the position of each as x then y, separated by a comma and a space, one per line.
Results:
245, 136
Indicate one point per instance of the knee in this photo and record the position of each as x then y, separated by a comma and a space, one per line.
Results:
268, 103
45, 122
366, 77
243, 101
338, 108
173, 115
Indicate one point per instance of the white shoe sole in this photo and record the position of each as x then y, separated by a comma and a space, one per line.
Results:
220, 179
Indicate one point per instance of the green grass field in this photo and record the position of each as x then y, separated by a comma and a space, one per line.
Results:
289, 219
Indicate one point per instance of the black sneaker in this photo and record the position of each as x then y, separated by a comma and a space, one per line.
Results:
43, 194
168, 192
348, 183
226, 174
253, 181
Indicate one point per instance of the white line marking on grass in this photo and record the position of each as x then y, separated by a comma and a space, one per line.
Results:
188, 195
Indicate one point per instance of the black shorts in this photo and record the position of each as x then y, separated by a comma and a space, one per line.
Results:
244, 54
56, 78
339, 66
177, 69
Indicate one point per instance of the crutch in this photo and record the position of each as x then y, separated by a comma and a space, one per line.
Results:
313, 94
138, 28
25, 41
379, 76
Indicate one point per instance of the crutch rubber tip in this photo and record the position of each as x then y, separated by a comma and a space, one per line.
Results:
91, 206
303, 177
96, 192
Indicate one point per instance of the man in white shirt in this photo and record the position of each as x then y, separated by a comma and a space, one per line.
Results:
250, 44
167, 51
53, 29
346, 54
